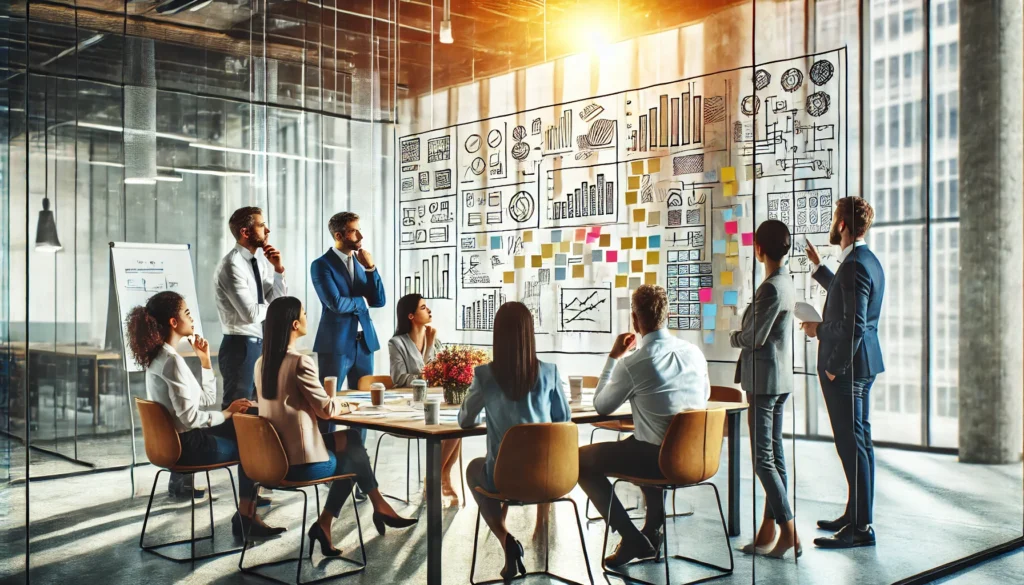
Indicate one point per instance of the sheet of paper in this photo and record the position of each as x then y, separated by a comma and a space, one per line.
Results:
806, 313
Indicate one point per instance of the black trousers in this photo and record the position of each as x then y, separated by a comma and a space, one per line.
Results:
237, 363
848, 403
627, 457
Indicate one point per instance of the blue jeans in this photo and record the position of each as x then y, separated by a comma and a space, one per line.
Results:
237, 363
352, 460
848, 403
210, 445
765, 419
344, 367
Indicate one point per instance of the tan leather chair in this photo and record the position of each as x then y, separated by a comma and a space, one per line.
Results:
690, 456
536, 464
727, 394
163, 448
266, 463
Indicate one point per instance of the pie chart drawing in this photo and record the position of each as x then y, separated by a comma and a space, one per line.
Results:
473, 143
520, 207
494, 138
477, 166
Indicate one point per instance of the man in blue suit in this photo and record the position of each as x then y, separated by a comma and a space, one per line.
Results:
348, 284
849, 359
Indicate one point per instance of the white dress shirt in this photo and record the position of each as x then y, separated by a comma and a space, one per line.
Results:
349, 261
666, 376
844, 253
238, 304
170, 382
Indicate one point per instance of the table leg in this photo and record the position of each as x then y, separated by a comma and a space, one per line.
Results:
434, 529
734, 472
95, 393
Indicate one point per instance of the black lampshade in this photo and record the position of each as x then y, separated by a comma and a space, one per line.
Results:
46, 230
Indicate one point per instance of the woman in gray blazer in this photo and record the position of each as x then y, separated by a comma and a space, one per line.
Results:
765, 372
414, 344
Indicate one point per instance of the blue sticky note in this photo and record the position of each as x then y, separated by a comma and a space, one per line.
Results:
556, 236
730, 298
710, 310
727, 214
718, 247
654, 241
495, 242
597, 256
559, 273
709, 338
623, 268
739, 211
560, 260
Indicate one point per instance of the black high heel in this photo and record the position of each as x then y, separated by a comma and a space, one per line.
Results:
513, 558
316, 534
381, 521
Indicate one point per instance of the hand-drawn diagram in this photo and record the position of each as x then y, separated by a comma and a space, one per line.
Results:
432, 278
585, 310
427, 223
477, 309
582, 195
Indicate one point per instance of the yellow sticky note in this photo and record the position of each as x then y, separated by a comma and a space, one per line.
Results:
528, 236
729, 189
733, 249
621, 280
577, 249
606, 240
510, 277
627, 244
547, 250
637, 266
654, 257
650, 278
520, 262
732, 260
481, 240
633, 183
637, 168
639, 215
631, 198
641, 242
536, 261
577, 271
728, 174
654, 166
726, 278
563, 247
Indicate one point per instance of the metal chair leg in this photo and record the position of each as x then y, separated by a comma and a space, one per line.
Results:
462, 476
583, 541
192, 514
209, 492
149, 506
302, 536
476, 538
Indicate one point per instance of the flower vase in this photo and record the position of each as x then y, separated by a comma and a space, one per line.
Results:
454, 395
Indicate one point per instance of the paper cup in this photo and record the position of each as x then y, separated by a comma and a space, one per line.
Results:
419, 390
432, 411
576, 387
331, 385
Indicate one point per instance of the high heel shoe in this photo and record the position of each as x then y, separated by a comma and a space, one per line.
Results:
381, 521
316, 534
254, 528
513, 559
798, 551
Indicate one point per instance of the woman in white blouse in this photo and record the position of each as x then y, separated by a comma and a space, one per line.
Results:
413, 346
207, 437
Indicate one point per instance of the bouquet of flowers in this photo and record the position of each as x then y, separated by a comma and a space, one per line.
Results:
452, 369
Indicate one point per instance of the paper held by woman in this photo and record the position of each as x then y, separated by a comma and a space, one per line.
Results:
806, 313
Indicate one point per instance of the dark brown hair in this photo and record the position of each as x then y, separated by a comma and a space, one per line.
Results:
650, 303
857, 213
515, 365
339, 222
277, 331
149, 326
406, 306
773, 238
243, 218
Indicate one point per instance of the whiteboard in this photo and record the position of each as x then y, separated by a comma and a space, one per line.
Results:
142, 270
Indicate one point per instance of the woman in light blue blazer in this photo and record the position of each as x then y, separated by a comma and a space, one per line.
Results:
515, 388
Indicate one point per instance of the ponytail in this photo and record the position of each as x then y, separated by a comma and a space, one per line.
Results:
148, 327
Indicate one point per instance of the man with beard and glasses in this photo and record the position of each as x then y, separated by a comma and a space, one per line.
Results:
348, 284
849, 359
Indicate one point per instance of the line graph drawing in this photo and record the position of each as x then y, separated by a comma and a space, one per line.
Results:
585, 310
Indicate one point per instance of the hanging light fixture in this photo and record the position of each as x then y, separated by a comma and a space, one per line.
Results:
445, 35
46, 228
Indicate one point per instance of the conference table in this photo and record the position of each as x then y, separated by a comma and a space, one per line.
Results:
397, 418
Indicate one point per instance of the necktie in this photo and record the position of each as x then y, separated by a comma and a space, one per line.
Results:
259, 283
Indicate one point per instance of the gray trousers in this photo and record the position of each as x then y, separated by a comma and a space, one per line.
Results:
765, 420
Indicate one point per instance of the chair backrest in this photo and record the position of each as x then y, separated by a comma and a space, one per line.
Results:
260, 450
590, 381
365, 382
692, 449
538, 462
163, 446
726, 394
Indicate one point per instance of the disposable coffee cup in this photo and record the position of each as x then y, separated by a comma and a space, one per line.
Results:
419, 390
576, 388
377, 394
331, 385
432, 411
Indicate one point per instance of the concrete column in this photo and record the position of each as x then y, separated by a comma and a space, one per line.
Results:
991, 231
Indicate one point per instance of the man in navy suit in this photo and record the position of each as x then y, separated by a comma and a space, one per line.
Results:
849, 359
348, 284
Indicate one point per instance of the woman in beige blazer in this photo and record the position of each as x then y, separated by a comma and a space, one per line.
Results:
291, 398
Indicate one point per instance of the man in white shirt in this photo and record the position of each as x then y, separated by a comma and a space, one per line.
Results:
664, 377
246, 282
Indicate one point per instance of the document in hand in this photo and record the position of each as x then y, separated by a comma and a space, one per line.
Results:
806, 313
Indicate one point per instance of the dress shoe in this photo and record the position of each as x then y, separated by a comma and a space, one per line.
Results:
848, 537
262, 502
381, 522
513, 559
833, 525
183, 490
630, 549
242, 526
655, 537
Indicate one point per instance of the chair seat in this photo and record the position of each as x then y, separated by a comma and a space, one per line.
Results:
196, 468
500, 497
622, 426
297, 484
646, 481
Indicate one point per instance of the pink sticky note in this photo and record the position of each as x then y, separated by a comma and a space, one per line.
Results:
706, 295
611, 256
731, 227
595, 230
748, 238
581, 234
591, 238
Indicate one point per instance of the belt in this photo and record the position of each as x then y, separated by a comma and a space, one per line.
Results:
359, 336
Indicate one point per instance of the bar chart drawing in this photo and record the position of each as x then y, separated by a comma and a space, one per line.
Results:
478, 314
430, 276
584, 194
675, 121
558, 138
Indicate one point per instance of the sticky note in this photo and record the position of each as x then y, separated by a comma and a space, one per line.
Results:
547, 250
630, 197
626, 244
748, 238
727, 214
561, 260
581, 234
718, 247
556, 236
510, 277
727, 174
731, 227
591, 238
710, 310
481, 240
726, 278
595, 229
654, 219
654, 166
654, 257
734, 249
641, 242
650, 278
654, 241
577, 270
621, 280
564, 246
577, 249
706, 295
738, 211
636, 168
634, 282
559, 273
606, 240
633, 183
528, 236
597, 256
639, 215
611, 256
732, 260
520, 262
623, 268
709, 338
730, 189
723, 323
637, 266
495, 242
730, 298
536, 261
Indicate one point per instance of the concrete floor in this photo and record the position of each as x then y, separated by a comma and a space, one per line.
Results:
929, 510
